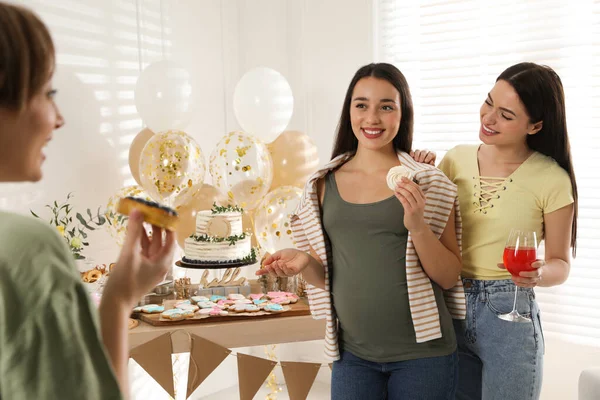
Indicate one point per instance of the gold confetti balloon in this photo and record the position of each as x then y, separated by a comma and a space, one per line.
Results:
171, 162
272, 218
117, 223
241, 166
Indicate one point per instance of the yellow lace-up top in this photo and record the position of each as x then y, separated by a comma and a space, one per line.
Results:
487, 191
491, 206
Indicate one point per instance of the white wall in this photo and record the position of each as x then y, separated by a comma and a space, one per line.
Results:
563, 364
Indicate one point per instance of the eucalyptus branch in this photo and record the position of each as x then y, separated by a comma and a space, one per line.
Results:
216, 239
216, 209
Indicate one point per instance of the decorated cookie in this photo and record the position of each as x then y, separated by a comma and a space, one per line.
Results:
274, 295
218, 312
206, 304
177, 314
251, 308
293, 298
152, 309
214, 298
258, 302
281, 300
181, 302
274, 308
236, 296
256, 296
188, 307
205, 311
240, 308
243, 301
199, 299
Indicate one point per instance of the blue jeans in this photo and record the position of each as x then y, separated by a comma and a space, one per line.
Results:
499, 360
433, 378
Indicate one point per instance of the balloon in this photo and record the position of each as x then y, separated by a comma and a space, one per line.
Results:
248, 226
164, 96
201, 200
295, 159
171, 162
186, 195
263, 103
135, 152
272, 218
241, 166
117, 223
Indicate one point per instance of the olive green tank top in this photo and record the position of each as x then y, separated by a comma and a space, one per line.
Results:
369, 289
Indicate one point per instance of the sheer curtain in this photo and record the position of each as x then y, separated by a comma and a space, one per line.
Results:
451, 53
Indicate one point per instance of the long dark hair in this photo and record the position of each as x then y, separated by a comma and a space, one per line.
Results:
541, 91
345, 141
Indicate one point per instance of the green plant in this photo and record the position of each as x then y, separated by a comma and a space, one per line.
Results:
250, 258
74, 231
215, 239
216, 209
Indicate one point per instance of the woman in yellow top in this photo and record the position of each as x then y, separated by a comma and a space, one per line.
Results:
51, 346
520, 177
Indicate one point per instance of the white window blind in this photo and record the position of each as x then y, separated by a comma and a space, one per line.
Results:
451, 53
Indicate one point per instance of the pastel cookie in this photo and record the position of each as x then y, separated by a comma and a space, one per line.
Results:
273, 295
240, 308
218, 312
256, 296
199, 299
221, 305
274, 308
181, 302
293, 298
205, 311
152, 309
188, 307
214, 298
225, 304
243, 301
281, 300
138, 309
236, 296
259, 301
206, 304
395, 175
177, 314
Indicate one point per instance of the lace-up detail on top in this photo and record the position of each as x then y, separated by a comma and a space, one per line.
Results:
487, 191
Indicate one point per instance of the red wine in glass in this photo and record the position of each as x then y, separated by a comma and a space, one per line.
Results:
520, 252
517, 260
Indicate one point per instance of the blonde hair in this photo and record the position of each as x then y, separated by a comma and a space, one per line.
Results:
26, 56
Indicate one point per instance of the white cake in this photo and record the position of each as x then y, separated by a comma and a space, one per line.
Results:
219, 238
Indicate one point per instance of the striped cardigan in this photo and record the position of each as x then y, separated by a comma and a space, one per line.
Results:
441, 196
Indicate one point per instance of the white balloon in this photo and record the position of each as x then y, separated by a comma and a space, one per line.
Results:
164, 96
263, 103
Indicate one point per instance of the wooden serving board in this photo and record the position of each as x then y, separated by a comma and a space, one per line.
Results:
298, 309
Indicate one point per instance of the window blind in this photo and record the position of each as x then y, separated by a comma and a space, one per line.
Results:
451, 53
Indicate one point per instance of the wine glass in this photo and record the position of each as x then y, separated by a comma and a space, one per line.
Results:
520, 252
